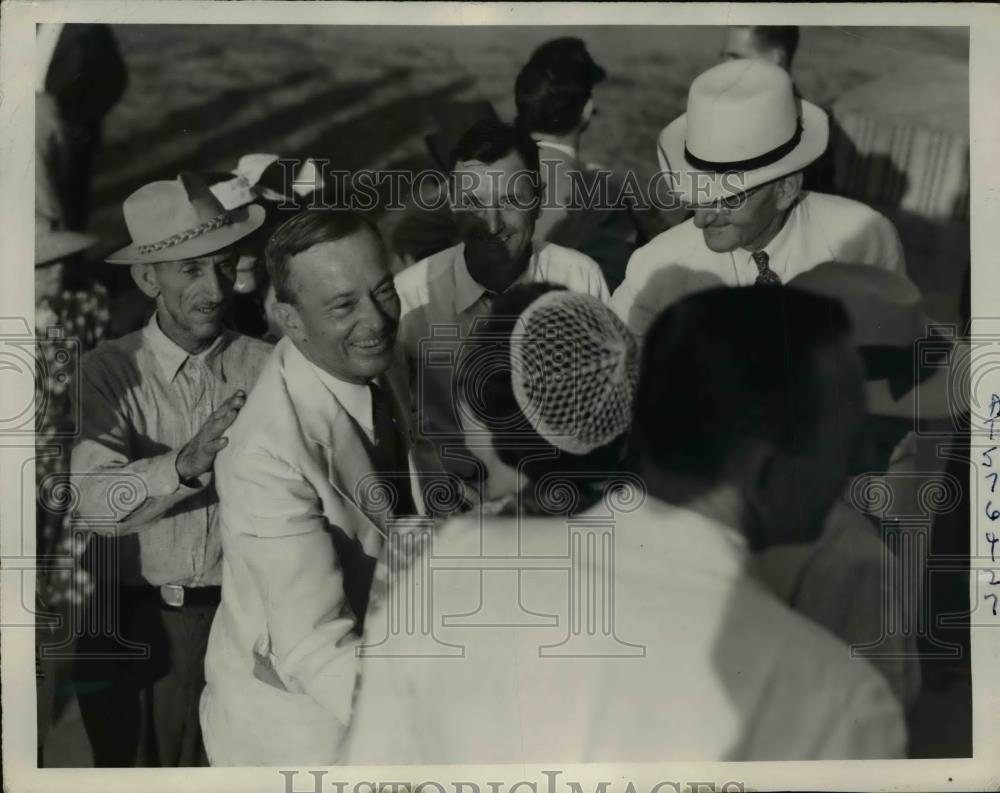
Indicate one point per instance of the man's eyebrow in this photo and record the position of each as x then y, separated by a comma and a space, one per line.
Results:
339, 296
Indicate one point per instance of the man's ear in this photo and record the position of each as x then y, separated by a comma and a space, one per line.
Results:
144, 276
287, 317
587, 113
788, 191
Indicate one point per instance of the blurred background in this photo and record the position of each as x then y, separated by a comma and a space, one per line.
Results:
200, 97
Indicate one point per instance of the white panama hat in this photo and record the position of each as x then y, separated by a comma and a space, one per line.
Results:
744, 126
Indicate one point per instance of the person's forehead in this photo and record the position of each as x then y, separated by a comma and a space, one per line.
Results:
349, 261
499, 171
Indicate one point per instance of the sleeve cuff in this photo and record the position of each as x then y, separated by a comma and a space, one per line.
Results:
162, 478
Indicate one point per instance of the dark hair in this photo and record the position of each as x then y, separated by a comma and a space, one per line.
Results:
483, 382
553, 87
310, 227
728, 365
489, 140
778, 37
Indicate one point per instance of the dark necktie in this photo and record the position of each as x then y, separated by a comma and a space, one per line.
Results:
765, 275
389, 453
487, 299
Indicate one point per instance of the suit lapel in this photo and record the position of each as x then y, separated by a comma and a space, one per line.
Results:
325, 422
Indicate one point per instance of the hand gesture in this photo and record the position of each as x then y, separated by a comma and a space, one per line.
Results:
199, 453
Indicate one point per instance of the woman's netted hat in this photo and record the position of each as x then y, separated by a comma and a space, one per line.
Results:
574, 371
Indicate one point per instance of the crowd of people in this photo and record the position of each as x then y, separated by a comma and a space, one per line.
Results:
306, 394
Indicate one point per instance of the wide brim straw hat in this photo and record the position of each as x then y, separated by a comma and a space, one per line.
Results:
182, 219
744, 126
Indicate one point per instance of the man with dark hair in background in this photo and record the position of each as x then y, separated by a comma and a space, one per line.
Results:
774, 43
495, 195
581, 208
759, 476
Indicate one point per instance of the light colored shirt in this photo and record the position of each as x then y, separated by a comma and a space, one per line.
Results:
354, 398
819, 228
565, 148
440, 301
698, 661
142, 398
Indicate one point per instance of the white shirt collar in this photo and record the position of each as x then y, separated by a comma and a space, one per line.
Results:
775, 248
170, 355
565, 148
356, 399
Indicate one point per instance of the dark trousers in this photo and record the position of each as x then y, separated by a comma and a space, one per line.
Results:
144, 711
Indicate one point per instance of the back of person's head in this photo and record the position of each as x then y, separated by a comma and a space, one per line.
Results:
489, 140
551, 375
728, 367
553, 88
783, 38
300, 233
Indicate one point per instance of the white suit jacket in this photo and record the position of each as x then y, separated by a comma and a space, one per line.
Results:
296, 489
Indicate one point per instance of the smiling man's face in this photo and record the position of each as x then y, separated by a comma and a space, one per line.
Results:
346, 305
496, 206
191, 295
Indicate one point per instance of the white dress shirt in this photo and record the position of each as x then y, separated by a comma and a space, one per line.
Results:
356, 399
440, 302
699, 662
819, 228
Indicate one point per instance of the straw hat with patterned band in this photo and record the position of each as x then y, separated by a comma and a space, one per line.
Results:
170, 221
744, 126
911, 374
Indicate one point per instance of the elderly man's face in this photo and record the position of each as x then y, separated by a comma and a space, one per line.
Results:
191, 295
496, 206
748, 221
346, 310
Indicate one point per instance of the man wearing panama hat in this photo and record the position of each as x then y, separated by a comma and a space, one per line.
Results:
736, 158
155, 404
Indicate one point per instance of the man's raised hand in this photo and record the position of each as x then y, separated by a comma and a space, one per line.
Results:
199, 453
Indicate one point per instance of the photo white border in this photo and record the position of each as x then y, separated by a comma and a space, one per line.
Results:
16, 241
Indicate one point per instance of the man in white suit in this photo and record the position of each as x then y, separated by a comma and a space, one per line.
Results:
315, 467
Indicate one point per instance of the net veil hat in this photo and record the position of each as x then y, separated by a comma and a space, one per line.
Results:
574, 371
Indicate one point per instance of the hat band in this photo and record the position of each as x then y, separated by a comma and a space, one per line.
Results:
761, 161
183, 236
